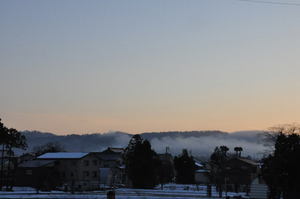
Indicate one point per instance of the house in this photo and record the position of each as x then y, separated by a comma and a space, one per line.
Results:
77, 171
239, 173
258, 189
7, 169
201, 173
26, 157
112, 169
167, 172
40, 174
74, 170
111, 157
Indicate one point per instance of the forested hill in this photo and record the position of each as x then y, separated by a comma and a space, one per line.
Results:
200, 143
183, 134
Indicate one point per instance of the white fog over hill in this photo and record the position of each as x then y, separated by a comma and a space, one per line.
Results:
199, 143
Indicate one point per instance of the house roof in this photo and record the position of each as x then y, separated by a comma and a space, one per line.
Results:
36, 163
111, 154
110, 157
198, 164
117, 150
113, 150
62, 155
249, 161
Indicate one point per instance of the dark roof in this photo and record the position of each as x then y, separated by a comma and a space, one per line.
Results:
111, 150
36, 163
111, 154
110, 157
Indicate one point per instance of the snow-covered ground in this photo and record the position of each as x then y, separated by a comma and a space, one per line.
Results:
170, 191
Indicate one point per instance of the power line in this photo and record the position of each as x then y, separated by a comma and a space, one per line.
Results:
272, 2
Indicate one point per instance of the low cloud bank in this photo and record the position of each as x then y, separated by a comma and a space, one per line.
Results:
204, 146
201, 144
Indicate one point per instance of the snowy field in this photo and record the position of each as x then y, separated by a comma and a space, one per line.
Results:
171, 191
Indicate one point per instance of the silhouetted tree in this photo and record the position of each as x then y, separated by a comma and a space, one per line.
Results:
224, 150
3, 141
218, 160
281, 169
185, 168
238, 151
9, 138
141, 163
166, 169
47, 148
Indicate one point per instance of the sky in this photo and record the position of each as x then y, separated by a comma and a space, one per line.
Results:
140, 66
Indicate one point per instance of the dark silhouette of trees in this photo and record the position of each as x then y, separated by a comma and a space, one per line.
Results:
48, 147
238, 151
281, 169
9, 138
185, 168
142, 163
165, 173
218, 161
224, 150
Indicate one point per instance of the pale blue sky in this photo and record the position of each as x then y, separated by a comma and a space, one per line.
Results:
135, 66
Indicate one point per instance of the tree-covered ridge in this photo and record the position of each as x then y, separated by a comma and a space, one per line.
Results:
199, 142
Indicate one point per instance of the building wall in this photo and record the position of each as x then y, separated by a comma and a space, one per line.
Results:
80, 174
258, 190
239, 172
83, 173
201, 178
44, 178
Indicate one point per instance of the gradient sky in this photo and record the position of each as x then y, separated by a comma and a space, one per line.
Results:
155, 65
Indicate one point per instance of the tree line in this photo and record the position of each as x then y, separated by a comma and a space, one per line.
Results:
281, 169
145, 169
10, 138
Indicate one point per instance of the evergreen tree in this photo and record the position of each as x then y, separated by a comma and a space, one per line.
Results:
281, 169
218, 160
185, 168
141, 163
238, 151
9, 139
48, 147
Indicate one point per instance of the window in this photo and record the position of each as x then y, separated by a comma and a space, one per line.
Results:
94, 174
95, 162
86, 163
106, 165
28, 172
86, 173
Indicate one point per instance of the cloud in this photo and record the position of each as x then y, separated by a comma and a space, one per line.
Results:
204, 146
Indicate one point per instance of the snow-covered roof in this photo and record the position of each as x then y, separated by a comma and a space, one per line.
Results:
62, 155
249, 161
122, 167
199, 164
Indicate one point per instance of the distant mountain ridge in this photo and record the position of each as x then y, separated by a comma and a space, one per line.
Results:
200, 143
